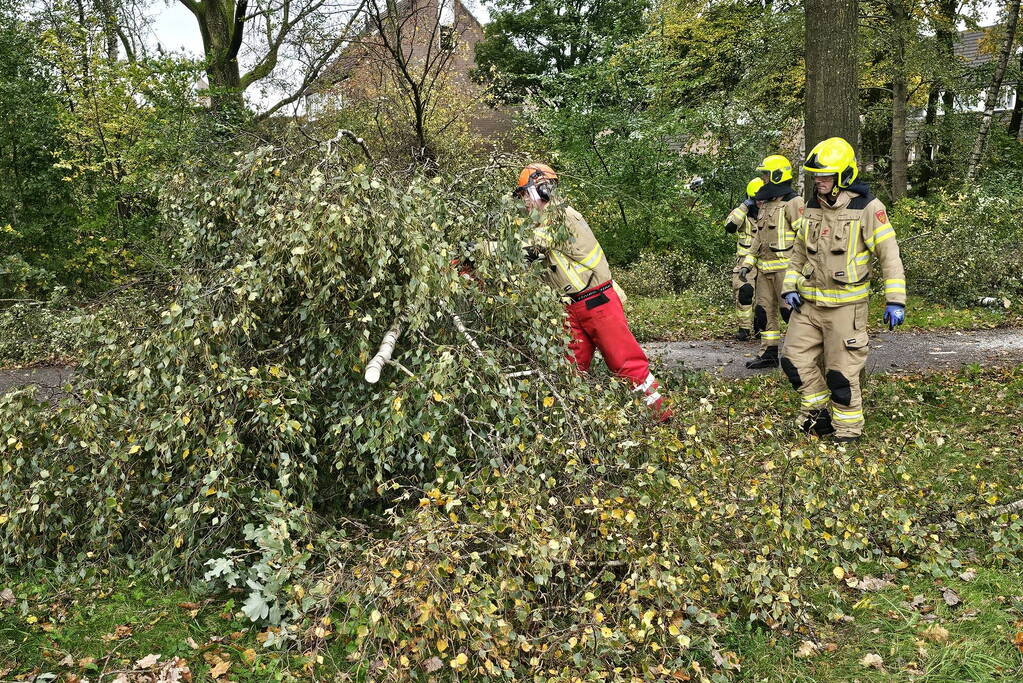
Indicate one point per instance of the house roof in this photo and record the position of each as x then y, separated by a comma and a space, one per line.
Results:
968, 46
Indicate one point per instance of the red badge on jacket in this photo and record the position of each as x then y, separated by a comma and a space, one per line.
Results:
882, 217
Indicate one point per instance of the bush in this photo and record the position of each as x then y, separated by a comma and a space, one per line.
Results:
661, 274
958, 248
451, 518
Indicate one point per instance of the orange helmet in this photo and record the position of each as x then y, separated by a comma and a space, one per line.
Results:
536, 175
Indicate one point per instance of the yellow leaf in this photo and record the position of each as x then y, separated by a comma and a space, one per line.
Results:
442, 645
839, 573
134, 449
3, 519
428, 437
185, 419
437, 397
459, 661
548, 401
691, 431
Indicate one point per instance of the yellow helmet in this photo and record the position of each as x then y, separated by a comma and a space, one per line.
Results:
752, 187
833, 156
777, 167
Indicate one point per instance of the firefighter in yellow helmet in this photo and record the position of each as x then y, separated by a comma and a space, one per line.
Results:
740, 221
827, 283
576, 268
773, 237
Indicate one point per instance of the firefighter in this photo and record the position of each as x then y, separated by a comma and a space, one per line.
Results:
575, 266
827, 283
740, 221
773, 237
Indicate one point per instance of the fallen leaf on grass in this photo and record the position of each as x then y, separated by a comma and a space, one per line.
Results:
968, 575
188, 605
969, 615
120, 632
935, 633
147, 662
806, 649
432, 664
67, 661
86, 662
220, 669
872, 661
870, 583
7, 597
190, 642
1017, 640
951, 597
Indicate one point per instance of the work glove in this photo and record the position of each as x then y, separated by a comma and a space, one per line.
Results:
749, 203
794, 301
894, 314
743, 272
731, 227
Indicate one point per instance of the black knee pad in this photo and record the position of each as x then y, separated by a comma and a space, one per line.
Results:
786, 313
759, 318
746, 294
791, 372
841, 391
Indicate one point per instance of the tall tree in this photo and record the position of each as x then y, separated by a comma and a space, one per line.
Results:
276, 28
832, 73
991, 100
525, 41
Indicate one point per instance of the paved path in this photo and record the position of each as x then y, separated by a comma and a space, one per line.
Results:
49, 380
889, 352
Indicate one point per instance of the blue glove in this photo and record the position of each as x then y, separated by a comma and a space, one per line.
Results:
794, 301
894, 314
749, 203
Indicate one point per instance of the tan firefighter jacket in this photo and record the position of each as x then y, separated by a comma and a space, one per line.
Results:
744, 234
830, 265
573, 258
774, 233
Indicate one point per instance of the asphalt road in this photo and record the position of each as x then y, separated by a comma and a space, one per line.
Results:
892, 352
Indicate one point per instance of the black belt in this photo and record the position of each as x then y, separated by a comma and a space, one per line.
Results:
583, 296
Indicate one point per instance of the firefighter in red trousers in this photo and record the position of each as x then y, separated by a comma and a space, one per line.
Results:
575, 266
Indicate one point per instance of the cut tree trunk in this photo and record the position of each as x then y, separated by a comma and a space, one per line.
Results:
991, 100
832, 74
1017, 106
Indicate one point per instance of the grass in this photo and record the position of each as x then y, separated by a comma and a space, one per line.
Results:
692, 316
101, 626
949, 427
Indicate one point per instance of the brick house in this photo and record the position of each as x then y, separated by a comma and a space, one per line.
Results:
436, 38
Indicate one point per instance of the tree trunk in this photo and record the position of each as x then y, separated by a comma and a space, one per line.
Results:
1017, 106
108, 15
221, 23
992, 94
832, 75
900, 96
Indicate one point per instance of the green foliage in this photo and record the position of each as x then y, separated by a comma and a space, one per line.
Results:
450, 516
522, 44
958, 248
86, 140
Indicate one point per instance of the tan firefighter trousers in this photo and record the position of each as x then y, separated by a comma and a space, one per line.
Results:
744, 295
838, 336
770, 308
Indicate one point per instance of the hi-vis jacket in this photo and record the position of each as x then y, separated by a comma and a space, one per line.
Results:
573, 257
830, 265
774, 233
744, 233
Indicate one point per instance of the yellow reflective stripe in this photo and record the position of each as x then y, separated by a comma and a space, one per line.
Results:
846, 415
895, 285
862, 258
835, 296
854, 236
770, 335
567, 269
814, 399
773, 264
737, 217
592, 259
884, 233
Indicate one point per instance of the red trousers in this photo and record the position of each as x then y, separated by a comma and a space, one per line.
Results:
598, 322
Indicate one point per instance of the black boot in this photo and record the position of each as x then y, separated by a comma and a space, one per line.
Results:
742, 335
847, 439
818, 423
768, 359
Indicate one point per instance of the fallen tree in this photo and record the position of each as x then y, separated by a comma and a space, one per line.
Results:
454, 515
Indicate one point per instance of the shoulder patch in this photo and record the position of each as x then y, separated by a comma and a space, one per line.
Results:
882, 216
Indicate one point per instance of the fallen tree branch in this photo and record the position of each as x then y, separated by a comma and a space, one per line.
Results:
376, 364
